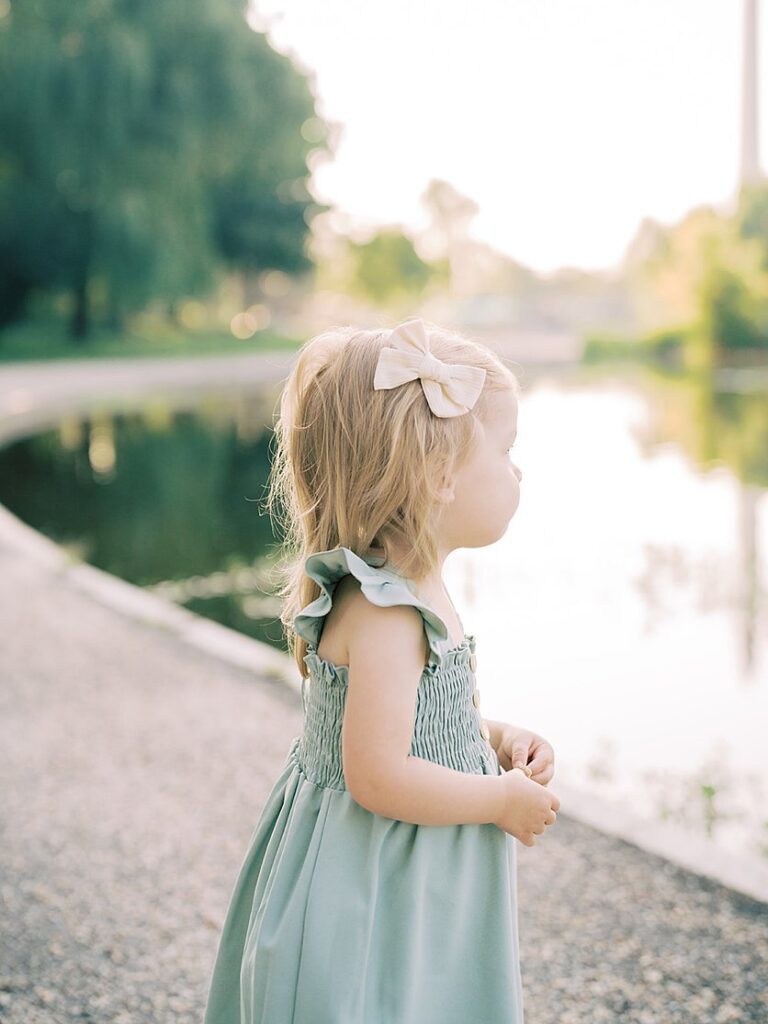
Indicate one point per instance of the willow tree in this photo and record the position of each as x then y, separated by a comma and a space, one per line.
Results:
143, 145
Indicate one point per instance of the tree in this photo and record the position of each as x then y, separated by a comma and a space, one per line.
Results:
143, 144
710, 277
260, 200
387, 269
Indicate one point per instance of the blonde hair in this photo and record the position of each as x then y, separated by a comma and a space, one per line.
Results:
351, 461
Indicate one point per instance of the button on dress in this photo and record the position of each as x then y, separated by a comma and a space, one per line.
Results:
342, 916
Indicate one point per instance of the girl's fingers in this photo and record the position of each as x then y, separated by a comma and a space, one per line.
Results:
542, 773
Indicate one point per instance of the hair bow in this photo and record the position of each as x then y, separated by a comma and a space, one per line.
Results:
450, 388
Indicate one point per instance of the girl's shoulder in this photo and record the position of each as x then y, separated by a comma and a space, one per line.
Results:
347, 597
379, 585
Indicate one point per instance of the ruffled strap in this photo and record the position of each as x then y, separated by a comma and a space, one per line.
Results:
383, 587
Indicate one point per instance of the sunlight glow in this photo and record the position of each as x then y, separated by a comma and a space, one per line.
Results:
566, 123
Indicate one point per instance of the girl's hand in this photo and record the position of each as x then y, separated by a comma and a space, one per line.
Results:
517, 746
526, 810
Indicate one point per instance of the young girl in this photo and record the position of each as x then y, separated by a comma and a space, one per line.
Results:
379, 886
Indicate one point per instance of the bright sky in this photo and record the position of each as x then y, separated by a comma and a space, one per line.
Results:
567, 122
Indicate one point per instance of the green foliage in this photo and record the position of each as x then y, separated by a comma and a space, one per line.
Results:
663, 345
600, 346
710, 273
752, 216
143, 145
732, 312
387, 268
261, 204
47, 338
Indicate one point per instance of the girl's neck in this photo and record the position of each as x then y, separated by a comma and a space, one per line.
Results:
432, 584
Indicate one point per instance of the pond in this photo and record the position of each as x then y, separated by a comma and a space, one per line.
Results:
623, 615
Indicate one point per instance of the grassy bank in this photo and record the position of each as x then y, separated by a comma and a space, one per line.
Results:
49, 339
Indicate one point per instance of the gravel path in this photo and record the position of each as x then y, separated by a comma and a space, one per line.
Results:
133, 770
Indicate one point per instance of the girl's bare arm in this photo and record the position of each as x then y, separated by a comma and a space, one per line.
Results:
386, 660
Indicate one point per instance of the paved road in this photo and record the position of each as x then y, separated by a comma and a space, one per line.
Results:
133, 768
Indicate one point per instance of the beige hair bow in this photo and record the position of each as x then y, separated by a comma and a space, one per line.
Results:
450, 388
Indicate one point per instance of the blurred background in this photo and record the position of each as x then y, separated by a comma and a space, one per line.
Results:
580, 186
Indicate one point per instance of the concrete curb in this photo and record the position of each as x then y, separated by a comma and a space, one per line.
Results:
702, 856
148, 609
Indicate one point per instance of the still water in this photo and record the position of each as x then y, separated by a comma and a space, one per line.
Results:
623, 615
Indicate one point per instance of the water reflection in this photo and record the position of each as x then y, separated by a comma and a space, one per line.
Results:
623, 615
167, 499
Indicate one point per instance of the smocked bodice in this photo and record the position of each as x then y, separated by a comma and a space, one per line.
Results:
448, 727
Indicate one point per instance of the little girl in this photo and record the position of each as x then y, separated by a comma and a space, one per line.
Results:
379, 886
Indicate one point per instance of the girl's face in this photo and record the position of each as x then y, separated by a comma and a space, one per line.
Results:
486, 489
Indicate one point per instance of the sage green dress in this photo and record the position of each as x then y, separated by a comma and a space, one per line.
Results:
342, 916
